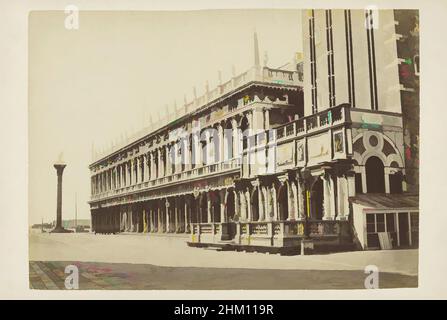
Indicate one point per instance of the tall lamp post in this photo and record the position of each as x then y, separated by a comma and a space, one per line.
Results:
59, 228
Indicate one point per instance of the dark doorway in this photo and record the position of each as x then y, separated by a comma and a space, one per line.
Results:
203, 208
215, 206
396, 183
316, 207
403, 229
244, 129
228, 140
358, 183
283, 202
194, 210
375, 175
255, 205
230, 205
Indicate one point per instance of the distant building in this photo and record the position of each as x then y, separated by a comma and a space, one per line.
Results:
273, 156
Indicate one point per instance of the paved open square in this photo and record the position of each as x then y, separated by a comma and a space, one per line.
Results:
142, 261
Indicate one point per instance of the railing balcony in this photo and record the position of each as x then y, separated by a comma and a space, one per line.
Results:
272, 233
226, 165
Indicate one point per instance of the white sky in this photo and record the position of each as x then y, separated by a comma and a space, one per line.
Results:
94, 84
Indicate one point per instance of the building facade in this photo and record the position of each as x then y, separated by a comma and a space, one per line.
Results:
273, 156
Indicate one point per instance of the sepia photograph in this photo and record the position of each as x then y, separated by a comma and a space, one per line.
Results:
229, 149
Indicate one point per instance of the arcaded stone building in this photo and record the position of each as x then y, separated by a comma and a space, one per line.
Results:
275, 156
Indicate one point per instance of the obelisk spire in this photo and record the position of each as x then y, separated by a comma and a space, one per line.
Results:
256, 49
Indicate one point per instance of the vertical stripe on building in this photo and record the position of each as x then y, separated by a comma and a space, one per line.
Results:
371, 59
330, 58
313, 65
349, 57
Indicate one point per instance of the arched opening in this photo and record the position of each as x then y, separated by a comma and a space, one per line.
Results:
283, 202
156, 165
316, 204
171, 213
255, 205
215, 144
193, 210
204, 146
375, 175
203, 203
229, 205
140, 218
163, 159
228, 134
244, 129
135, 173
172, 157
215, 206
396, 182
142, 163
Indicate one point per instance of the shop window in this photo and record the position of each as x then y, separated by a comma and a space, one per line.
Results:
380, 222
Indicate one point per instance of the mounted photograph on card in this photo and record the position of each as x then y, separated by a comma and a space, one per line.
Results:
222, 149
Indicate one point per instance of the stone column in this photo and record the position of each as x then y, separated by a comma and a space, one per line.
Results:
301, 213
199, 153
125, 174
223, 216
146, 167
136, 170
236, 142
342, 197
327, 198
290, 203
186, 216
224, 142
59, 229
160, 163
221, 143
248, 199
149, 218
296, 215
275, 204
152, 165
168, 151
160, 216
208, 207
269, 212
266, 118
176, 215
168, 218
387, 179
237, 208
121, 176
333, 198
186, 152
129, 174
261, 204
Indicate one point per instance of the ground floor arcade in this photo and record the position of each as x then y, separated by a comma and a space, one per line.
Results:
274, 210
